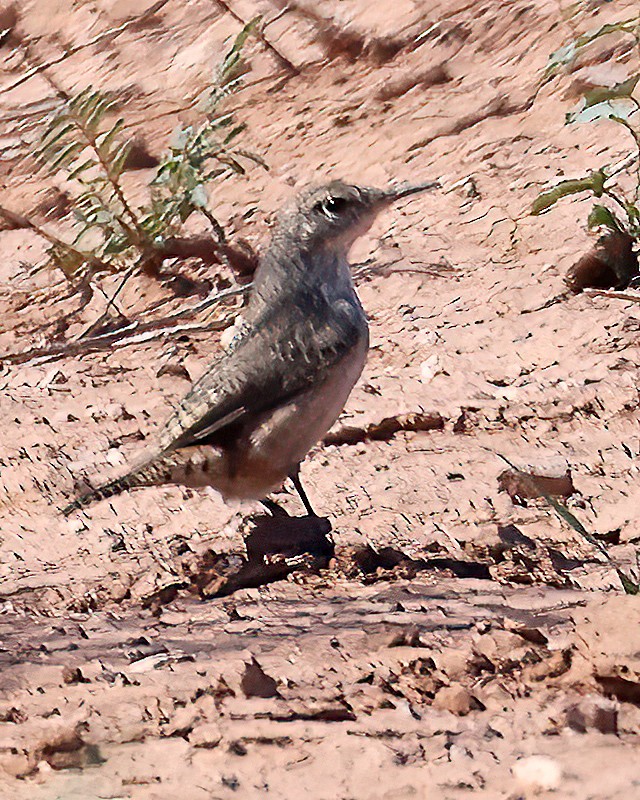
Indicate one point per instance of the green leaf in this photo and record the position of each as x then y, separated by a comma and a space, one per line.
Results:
232, 58
565, 54
54, 134
592, 183
83, 104
58, 118
633, 212
163, 173
617, 109
230, 161
115, 245
253, 157
103, 142
66, 155
601, 93
601, 216
214, 173
185, 209
629, 586
220, 122
624, 26
82, 168
69, 261
118, 160
96, 116
180, 137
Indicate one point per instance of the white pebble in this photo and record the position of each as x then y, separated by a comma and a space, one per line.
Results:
536, 774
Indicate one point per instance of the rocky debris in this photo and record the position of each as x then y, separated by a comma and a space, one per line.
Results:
71, 675
627, 690
517, 558
385, 561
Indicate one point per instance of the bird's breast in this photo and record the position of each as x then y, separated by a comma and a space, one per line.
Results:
278, 440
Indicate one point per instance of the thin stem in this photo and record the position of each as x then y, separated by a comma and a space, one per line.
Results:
636, 139
19, 221
137, 232
136, 332
217, 227
284, 61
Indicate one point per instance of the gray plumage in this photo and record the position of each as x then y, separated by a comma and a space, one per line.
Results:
250, 420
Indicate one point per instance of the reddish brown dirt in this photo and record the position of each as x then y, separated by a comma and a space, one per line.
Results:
460, 642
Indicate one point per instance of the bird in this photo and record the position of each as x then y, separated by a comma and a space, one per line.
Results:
250, 420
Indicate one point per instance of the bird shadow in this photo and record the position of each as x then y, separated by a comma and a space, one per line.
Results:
282, 535
275, 546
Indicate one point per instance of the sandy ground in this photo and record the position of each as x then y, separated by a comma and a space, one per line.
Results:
461, 641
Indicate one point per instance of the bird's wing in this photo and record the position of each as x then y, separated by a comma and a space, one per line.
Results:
285, 353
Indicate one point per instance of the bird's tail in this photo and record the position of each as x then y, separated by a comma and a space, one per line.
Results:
190, 467
110, 489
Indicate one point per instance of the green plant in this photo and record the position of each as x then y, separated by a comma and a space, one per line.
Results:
619, 104
629, 586
79, 141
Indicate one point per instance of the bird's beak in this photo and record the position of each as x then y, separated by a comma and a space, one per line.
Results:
393, 193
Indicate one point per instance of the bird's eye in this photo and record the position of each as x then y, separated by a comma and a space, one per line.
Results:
333, 206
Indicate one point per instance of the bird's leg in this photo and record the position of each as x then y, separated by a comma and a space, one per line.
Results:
295, 477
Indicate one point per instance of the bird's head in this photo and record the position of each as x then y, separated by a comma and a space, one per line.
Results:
336, 214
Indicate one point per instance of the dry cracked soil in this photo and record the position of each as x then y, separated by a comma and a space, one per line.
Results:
460, 640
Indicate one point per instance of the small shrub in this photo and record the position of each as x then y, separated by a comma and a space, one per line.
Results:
79, 141
617, 213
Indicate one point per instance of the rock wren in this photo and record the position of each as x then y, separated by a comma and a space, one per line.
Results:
246, 425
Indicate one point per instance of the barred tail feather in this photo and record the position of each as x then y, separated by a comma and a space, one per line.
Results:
103, 492
190, 467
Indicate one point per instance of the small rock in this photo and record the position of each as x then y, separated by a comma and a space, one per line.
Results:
183, 721
536, 774
593, 713
207, 735
455, 698
62, 748
175, 370
12, 714
430, 368
17, 764
148, 663
454, 663
73, 675
256, 683
532, 482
